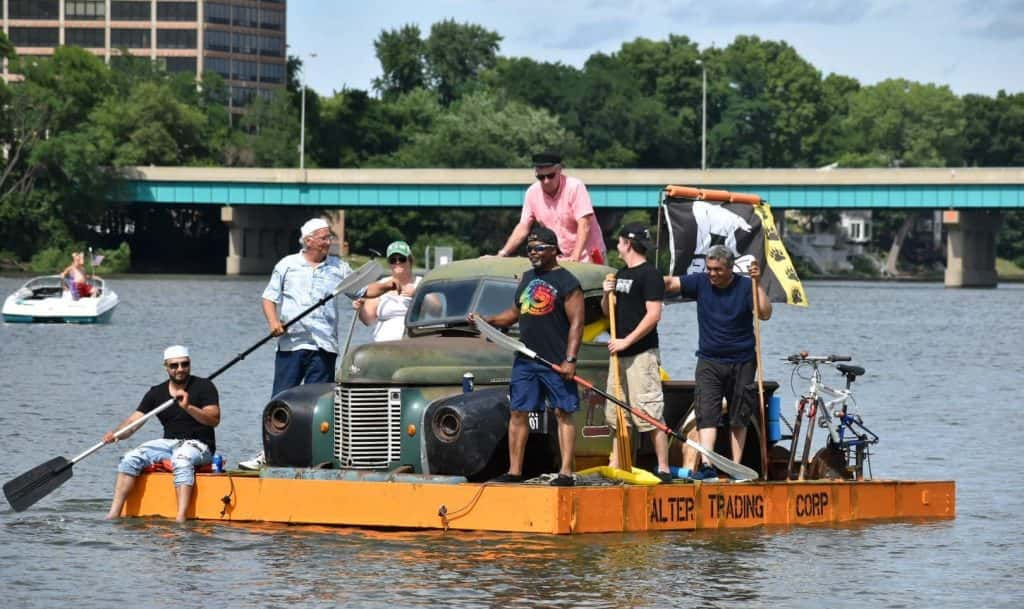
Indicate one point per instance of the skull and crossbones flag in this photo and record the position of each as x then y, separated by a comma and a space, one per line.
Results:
698, 219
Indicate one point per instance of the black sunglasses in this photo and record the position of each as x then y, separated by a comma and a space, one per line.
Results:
176, 365
397, 259
543, 177
538, 248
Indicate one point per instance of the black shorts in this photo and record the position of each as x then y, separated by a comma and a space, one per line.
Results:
734, 382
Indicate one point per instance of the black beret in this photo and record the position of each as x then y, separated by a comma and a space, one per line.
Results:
546, 159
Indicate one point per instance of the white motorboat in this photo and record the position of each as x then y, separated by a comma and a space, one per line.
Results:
49, 299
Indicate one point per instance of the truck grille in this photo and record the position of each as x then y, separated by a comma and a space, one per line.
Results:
367, 426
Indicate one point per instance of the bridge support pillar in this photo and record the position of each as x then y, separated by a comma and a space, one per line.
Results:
259, 236
971, 248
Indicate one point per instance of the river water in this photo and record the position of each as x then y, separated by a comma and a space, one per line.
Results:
943, 373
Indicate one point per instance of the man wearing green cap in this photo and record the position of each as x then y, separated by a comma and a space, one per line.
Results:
386, 302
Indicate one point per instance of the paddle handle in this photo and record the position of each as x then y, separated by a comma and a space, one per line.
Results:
129, 427
624, 452
351, 281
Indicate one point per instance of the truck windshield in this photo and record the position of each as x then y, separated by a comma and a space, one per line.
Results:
452, 301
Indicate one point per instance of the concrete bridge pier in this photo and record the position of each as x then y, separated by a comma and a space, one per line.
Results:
260, 236
971, 248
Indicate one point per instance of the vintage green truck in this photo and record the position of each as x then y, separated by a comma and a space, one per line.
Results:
401, 405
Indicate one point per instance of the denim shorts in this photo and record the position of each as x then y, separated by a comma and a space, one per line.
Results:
185, 457
531, 382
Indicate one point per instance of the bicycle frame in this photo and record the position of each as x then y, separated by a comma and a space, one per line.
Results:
847, 432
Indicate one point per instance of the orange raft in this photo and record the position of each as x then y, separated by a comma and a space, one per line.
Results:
531, 508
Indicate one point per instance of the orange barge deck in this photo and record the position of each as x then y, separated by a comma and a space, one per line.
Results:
543, 509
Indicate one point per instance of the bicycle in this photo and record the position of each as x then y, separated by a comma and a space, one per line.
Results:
847, 447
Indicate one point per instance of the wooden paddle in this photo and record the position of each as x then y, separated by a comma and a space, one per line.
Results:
622, 444
760, 380
22, 492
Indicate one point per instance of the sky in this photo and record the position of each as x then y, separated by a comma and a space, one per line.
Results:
971, 46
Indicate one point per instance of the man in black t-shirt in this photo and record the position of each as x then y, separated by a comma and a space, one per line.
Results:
188, 440
549, 309
639, 290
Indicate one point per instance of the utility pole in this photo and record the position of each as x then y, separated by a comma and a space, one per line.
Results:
302, 126
704, 116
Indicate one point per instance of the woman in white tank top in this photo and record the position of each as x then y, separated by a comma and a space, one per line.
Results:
386, 302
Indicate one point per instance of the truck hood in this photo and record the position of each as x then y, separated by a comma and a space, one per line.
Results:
427, 360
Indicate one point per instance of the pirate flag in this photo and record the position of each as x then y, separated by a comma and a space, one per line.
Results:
698, 219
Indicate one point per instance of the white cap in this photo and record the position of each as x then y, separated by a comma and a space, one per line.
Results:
175, 351
310, 227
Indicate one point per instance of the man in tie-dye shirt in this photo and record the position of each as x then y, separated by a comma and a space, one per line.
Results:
549, 308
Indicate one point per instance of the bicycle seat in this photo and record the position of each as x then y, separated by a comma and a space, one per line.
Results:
850, 370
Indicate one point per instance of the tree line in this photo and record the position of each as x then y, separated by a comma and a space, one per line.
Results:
448, 98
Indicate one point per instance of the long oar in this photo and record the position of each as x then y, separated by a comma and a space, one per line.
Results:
760, 380
736, 470
38, 482
623, 448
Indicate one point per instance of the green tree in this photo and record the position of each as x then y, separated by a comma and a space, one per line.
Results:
766, 100
401, 54
994, 131
481, 131
899, 123
455, 55
274, 127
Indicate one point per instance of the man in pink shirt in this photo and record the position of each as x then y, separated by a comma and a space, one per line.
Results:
561, 203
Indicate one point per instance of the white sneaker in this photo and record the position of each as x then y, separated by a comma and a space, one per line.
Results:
255, 463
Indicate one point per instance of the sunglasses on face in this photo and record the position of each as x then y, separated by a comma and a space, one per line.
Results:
176, 365
543, 177
536, 249
397, 259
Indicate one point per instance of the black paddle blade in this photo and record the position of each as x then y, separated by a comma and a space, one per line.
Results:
37, 483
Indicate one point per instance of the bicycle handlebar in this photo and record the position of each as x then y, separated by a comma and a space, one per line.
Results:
797, 358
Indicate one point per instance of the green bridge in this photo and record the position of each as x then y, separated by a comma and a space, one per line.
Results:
262, 206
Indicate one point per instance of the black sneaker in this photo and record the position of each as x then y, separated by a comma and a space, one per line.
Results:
563, 480
508, 479
665, 477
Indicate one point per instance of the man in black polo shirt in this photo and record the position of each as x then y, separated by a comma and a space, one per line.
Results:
549, 308
639, 290
188, 440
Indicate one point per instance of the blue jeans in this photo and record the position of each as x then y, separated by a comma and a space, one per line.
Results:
294, 368
185, 457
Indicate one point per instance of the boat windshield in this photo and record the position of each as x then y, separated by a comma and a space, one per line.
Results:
449, 303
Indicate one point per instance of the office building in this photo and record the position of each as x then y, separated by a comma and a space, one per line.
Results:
242, 40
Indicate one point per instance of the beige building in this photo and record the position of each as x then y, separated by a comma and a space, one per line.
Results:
242, 40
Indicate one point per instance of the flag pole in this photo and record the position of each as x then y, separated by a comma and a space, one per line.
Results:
760, 379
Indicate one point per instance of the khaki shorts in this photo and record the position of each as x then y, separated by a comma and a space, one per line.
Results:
641, 387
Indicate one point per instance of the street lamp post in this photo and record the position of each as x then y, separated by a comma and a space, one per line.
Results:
704, 115
302, 126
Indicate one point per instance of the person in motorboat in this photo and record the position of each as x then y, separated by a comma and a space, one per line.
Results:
76, 278
726, 356
308, 351
549, 308
385, 303
188, 441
